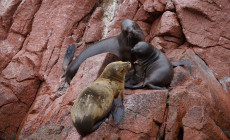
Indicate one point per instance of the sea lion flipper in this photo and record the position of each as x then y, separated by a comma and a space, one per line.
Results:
96, 126
190, 70
151, 86
183, 63
68, 56
118, 110
133, 87
135, 80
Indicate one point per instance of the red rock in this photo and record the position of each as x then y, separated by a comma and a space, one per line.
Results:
126, 10
202, 95
169, 6
40, 51
79, 31
6, 96
166, 32
197, 119
34, 36
23, 16
142, 1
217, 58
167, 24
193, 134
202, 25
9, 48
76, 37
11, 114
162, 44
142, 15
154, 5
145, 27
7, 10
172, 39
95, 27
180, 76
34, 117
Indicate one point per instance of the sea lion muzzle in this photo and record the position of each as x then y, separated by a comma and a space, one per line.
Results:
132, 51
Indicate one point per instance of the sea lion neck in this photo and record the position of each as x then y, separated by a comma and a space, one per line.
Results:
129, 40
111, 74
144, 62
112, 77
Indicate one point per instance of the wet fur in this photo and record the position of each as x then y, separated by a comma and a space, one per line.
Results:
95, 102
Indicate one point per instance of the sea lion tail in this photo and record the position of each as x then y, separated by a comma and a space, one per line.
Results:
183, 63
68, 56
84, 127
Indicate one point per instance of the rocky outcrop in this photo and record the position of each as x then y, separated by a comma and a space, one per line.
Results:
29, 62
35, 102
166, 32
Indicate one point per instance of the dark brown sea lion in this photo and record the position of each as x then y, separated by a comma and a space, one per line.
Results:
95, 102
154, 67
119, 45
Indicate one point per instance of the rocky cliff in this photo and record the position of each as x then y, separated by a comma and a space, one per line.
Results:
34, 35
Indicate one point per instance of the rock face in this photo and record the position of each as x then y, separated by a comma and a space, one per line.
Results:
35, 102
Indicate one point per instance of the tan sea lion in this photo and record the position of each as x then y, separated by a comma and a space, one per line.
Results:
119, 45
95, 102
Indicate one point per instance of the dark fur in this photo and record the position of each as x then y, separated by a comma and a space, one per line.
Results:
155, 68
120, 45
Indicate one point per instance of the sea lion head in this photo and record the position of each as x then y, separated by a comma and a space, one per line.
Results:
132, 31
142, 50
116, 71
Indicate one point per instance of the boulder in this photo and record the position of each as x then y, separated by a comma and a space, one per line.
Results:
205, 23
95, 27
168, 25
30, 51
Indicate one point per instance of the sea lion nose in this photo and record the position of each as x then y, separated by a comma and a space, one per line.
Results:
130, 29
132, 51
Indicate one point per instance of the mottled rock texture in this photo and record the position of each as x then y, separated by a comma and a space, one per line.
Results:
35, 102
